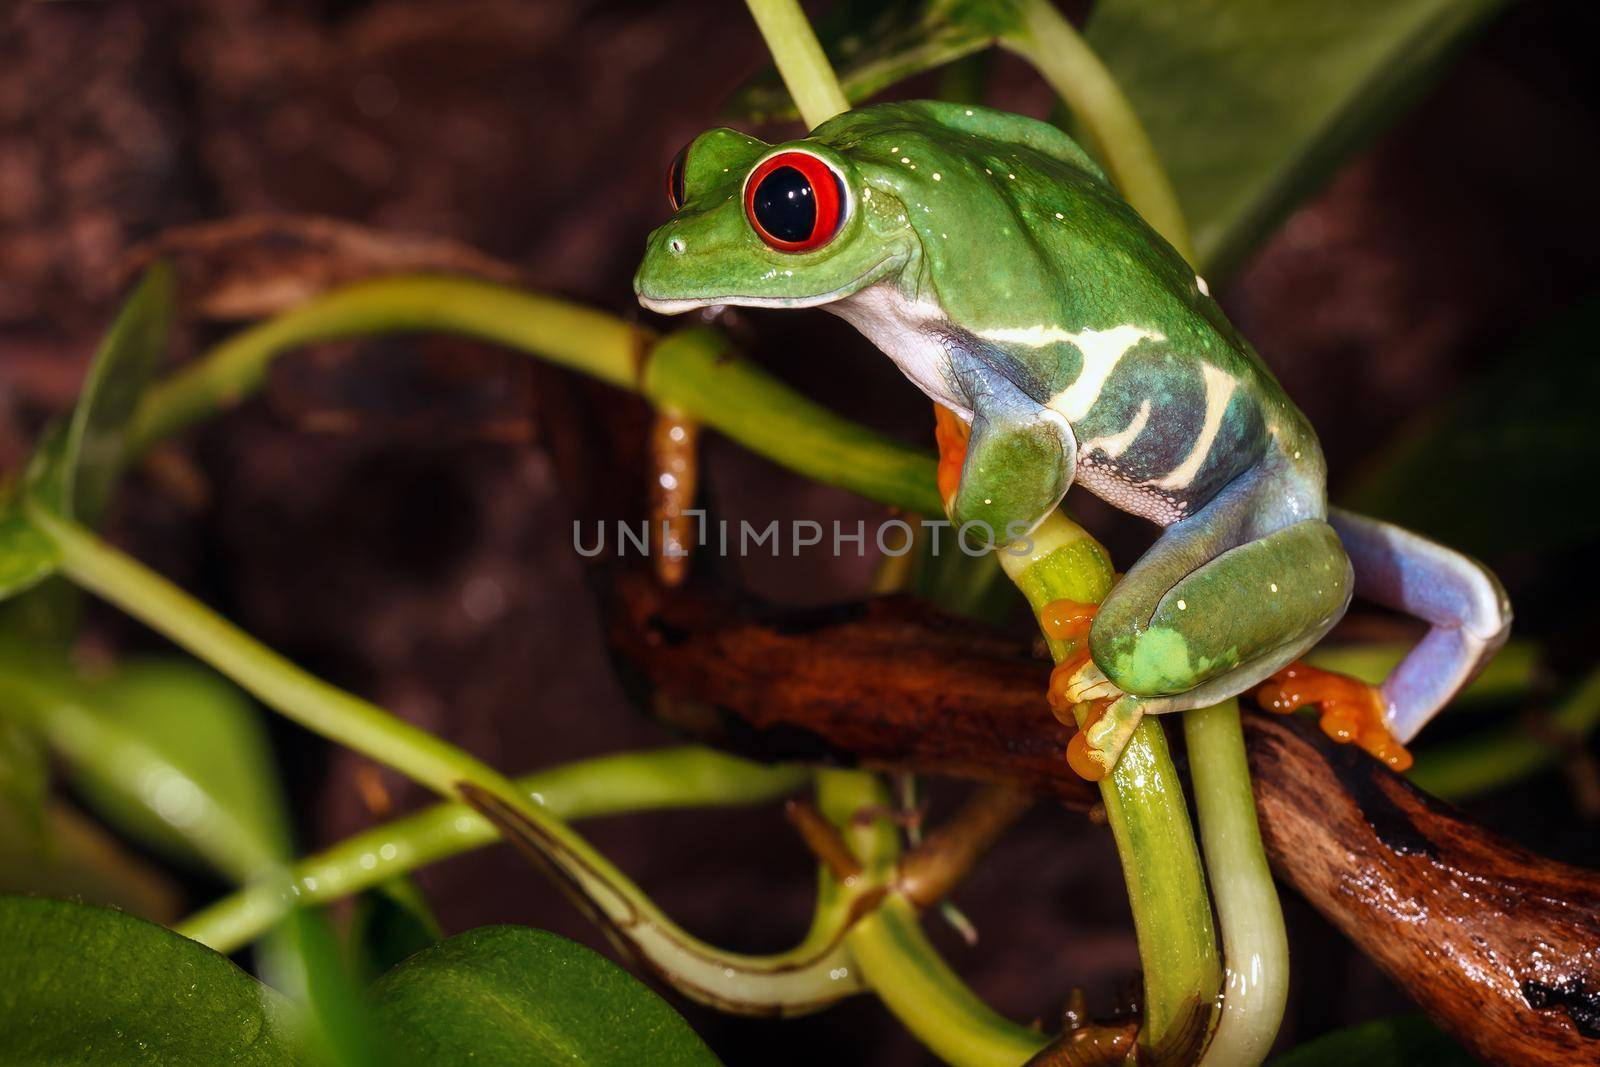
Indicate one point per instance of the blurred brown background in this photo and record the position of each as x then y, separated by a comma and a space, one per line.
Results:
387, 514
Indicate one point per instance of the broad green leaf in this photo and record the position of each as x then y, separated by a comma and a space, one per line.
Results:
80, 470
875, 43
82, 986
178, 757
78, 859
1526, 428
24, 777
1400, 1041
77, 463
163, 749
27, 556
389, 923
1252, 104
508, 995
302, 958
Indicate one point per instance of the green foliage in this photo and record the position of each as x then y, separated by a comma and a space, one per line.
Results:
875, 45
390, 922
1252, 104
524, 998
1528, 423
180, 760
1400, 1041
82, 986
77, 464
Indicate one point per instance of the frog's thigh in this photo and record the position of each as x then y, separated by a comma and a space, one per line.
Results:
1020, 461
1209, 626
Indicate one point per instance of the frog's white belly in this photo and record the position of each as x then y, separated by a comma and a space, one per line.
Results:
907, 332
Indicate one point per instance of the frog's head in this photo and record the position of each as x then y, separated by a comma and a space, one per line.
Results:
759, 225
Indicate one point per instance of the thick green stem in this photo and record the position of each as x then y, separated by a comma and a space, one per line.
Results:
608, 785
1048, 41
693, 371
565, 333
800, 60
894, 957
929, 998
1254, 943
1145, 807
803, 980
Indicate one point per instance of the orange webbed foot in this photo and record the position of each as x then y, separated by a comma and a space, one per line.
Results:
1351, 710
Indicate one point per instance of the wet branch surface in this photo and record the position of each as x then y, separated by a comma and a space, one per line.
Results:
1500, 946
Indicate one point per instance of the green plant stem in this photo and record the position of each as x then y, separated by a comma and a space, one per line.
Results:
1048, 41
609, 785
1462, 768
1255, 945
694, 371
800, 59
562, 332
1145, 807
893, 955
808, 977
929, 998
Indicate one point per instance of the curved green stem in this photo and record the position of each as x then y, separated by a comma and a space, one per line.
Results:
608, 785
562, 332
1145, 807
929, 998
1048, 41
1254, 943
800, 59
732, 981
694, 371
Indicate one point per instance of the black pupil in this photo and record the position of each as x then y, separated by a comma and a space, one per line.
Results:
675, 191
785, 206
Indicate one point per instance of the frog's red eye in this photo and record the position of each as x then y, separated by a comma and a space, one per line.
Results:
675, 192
795, 201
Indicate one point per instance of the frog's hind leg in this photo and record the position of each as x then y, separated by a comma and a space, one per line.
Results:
1461, 600
1224, 598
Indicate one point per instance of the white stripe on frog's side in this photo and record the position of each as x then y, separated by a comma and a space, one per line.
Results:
1102, 350
907, 331
1115, 444
1220, 387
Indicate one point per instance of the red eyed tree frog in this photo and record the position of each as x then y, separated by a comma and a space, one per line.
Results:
988, 256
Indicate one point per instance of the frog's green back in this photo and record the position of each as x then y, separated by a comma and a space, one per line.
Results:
1057, 242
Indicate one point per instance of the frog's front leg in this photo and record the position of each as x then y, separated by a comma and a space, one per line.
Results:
1221, 601
1018, 462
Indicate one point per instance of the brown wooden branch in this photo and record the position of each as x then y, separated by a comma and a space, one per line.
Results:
1501, 947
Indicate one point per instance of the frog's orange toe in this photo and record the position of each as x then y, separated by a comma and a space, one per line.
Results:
1067, 620
1351, 710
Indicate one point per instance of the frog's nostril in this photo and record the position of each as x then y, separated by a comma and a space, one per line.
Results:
676, 246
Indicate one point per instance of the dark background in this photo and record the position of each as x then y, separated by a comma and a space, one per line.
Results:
387, 516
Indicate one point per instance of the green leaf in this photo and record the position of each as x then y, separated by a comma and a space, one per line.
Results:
24, 778
77, 463
873, 45
1252, 104
175, 755
27, 556
1400, 1041
1526, 428
390, 922
78, 859
508, 995
303, 958
82, 986
85, 457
